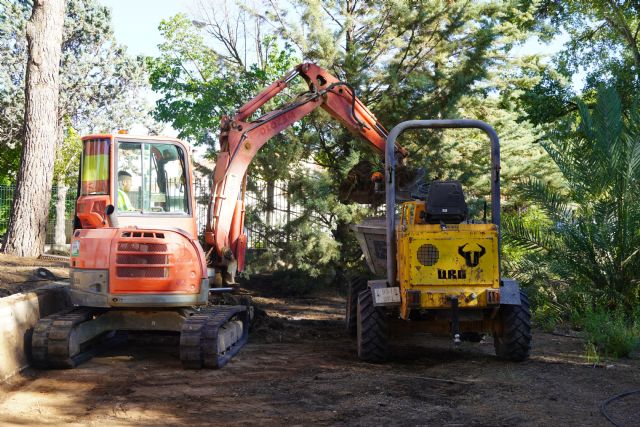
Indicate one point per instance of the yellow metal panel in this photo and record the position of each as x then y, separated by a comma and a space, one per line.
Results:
468, 297
426, 252
460, 261
452, 258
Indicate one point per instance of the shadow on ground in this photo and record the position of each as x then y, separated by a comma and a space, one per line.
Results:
300, 368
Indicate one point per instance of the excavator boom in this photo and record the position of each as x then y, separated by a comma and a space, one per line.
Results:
241, 138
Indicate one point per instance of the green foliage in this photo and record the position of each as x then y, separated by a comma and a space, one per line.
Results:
549, 99
590, 238
603, 49
613, 334
406, 61
99, 85
187, 74
67, 164
308, 243
307, 250
197, 83
603, 41
13, 45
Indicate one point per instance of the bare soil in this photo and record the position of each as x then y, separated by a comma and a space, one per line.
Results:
300, 368
19, 274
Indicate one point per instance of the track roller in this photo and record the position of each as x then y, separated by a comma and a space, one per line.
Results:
212, 336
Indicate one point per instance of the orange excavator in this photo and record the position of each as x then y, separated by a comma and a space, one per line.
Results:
136, 261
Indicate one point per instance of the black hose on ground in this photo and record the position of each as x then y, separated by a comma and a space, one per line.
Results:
603, 406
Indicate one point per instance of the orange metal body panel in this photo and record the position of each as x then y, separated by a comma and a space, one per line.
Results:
142, 260
148, 261
91, 210
95, 248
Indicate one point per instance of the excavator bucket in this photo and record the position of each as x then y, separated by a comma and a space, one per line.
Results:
362, 186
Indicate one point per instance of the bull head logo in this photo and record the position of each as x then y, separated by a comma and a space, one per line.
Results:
472, 257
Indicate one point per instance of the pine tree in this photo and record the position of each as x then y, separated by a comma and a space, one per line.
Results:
26, 231
100, 84
408, 60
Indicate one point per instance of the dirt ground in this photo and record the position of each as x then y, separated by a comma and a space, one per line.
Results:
300, 368
24, 274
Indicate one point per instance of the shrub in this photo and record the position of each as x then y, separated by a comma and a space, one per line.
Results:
612, 333
588, 237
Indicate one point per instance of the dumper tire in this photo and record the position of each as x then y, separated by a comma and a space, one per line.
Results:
356, 285
372, 330
514, 341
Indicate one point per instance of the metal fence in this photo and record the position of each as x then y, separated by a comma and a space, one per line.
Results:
268, 206
6, 200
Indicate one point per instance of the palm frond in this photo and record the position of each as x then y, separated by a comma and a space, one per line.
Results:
531, 237
607, 122
555, 204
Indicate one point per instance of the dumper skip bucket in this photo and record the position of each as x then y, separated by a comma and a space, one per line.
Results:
371, 235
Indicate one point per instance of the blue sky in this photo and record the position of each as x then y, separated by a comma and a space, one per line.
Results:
136, 22
136, 25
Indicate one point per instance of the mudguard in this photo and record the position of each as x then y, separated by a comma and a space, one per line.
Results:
509, 292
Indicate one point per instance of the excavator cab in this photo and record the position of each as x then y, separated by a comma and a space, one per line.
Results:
141, 177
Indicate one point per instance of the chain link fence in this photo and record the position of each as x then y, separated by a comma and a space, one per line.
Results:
6, 200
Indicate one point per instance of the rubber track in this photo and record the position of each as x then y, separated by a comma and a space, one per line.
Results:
50, 341
199, 337
515, 342
373, 330
356, 285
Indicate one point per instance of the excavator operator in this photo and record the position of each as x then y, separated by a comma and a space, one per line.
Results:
124, 186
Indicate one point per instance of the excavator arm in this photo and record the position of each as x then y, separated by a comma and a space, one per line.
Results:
240, 140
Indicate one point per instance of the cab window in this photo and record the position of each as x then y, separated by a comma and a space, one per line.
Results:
152, 179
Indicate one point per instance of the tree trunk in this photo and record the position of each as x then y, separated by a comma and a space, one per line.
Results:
271, 186
60, 236
26, 232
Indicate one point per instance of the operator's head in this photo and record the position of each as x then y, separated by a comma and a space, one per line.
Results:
124, 180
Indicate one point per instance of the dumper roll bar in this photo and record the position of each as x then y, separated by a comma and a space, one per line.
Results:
390, 177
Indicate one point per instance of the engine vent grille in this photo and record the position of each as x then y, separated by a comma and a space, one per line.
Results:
428, 255
140, 259
147, 272
142, 247
142, 234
